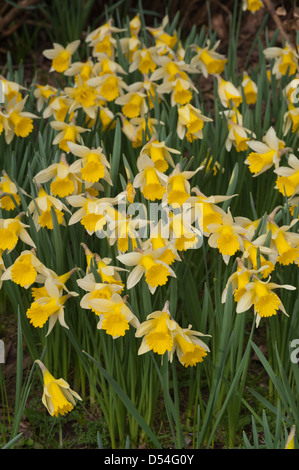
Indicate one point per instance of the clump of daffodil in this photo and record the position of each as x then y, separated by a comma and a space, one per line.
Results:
41, 210
162, 334
11, 230
115, 316
148, 263
207, 60
9, 197
58, 397
285, 60
25, 270
191, 122
260, 295
265, 154
61, 56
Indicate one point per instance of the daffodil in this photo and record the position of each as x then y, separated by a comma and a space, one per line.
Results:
160, 154
287, 181
96, 290
259, 294
133, 104
43, 93
91, 212
59, 108
285, 60
108, 86
144, 60
41, 210
50, 307
180, 91
157, 332
178, 186
108, 273
285, 242
149, 264
82, 71
19, 122
64, 181
249, 88
11, 230
61, 56
226, 236
252, 5
160, 34
205, 210
123, 229
9, 197
191, 122
238, 135
58, 397
150, 181
229, 95
265, 154
291, 119
139, 129
115, 317
189, 348
207, 60
182, 232
68, 132
92, 163
25, 270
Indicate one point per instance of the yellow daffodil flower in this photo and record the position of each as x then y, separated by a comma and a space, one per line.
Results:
259, 294
11, 230
149, 264
40, 208
190, 122
115, 316
207, 60
61, 56
25, 270
58, 397
265, 154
